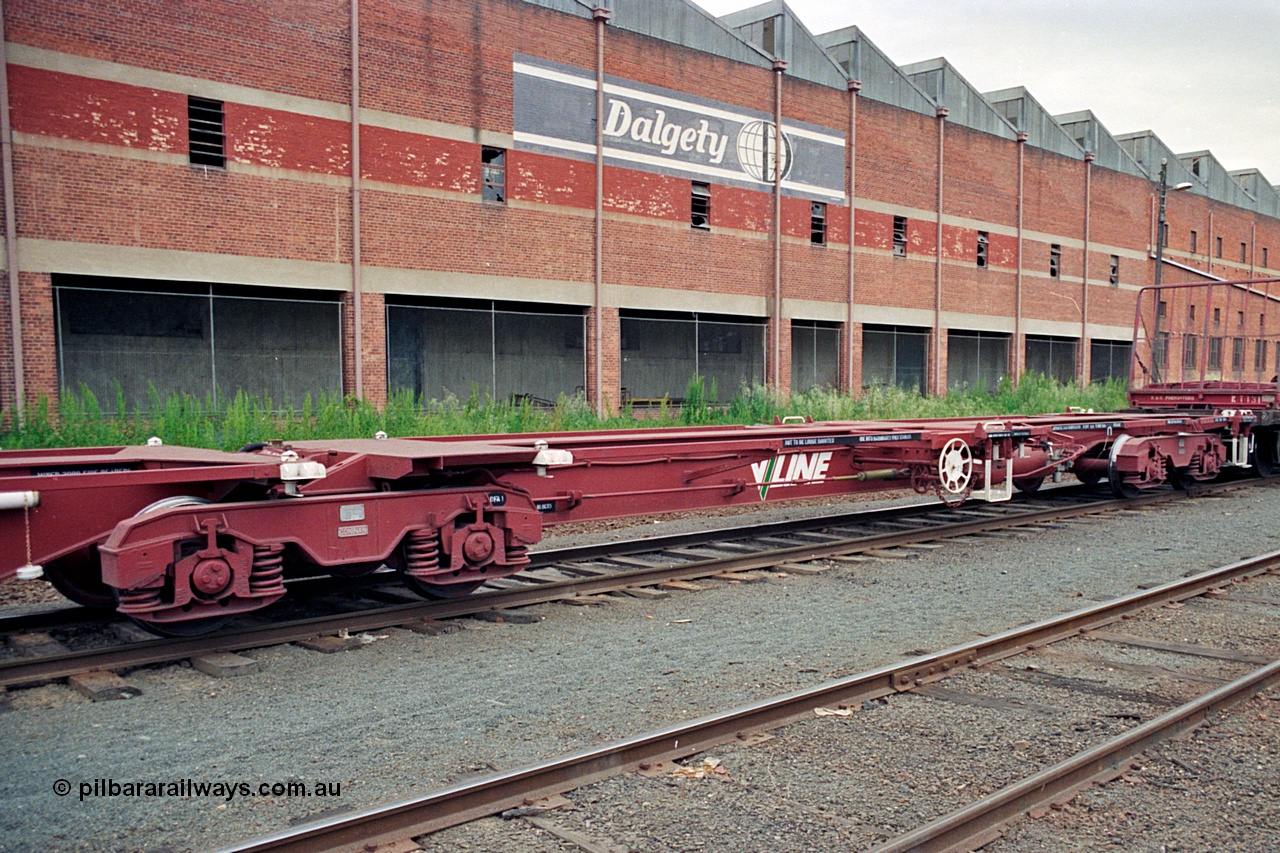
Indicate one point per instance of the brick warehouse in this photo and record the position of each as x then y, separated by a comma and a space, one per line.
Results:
182, 181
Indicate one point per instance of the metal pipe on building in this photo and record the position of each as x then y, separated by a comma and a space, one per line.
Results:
601, 16
1253, 248
11, 233
1085, 355
1208, 250
939, 383
855, 86
357, 291
1018, 346
779, 66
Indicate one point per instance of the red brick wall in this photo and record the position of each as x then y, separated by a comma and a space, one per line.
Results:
450, 62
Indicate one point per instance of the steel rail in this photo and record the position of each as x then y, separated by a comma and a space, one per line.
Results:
978, 823
773, 528
69, 613
465, 802
20, 671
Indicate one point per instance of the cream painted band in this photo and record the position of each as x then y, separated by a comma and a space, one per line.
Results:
811, 309
679, 299
55, 256
407, 282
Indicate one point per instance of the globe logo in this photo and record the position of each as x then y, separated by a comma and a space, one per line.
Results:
756, 145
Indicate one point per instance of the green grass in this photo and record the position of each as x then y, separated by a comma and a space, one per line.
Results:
190, 421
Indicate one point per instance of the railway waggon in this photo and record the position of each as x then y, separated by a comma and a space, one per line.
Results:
178, 539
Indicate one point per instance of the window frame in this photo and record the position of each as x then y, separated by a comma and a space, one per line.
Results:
700, 205
818, 223
206, 132
493, 174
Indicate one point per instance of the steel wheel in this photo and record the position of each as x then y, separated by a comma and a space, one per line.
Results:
1028, 485
1119, 487
78, 576
185, 628
444, 591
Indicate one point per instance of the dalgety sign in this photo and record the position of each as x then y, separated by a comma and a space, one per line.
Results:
659, 130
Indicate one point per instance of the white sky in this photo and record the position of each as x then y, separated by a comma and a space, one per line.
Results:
1201, 75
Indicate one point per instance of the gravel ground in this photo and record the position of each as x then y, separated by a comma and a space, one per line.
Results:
407, 713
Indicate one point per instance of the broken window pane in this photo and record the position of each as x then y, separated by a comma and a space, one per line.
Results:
493, 175
700, 205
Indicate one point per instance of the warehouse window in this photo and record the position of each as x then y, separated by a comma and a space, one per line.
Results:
818, 224
815, 355
504, 351
662, 351
1193, 243
1218, 247
1190, 352
700, 206
1109, 360
1259, 356
894, 356
1115, 269
206, 132
1264, 256
982, 249
1244, 252
1053, 357
899, 236
1055, 260
1215, 342
493, 174
140, 341
769, 35
976, 360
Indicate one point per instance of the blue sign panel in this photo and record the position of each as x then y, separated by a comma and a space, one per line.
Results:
658, 130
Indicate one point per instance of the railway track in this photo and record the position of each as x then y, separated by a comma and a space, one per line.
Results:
1070, 661
574, 573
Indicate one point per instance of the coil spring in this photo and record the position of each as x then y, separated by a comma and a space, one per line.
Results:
267, 577
517, 557
142, 600
422, 553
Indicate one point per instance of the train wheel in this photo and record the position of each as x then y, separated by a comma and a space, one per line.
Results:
1265, 453
78, 576
1089, 478
185, 628
1119, 487
444, 591
1028, 485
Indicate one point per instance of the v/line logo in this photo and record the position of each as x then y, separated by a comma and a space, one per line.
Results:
791, 470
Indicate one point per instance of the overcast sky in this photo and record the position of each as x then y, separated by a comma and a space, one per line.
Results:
1202, 75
